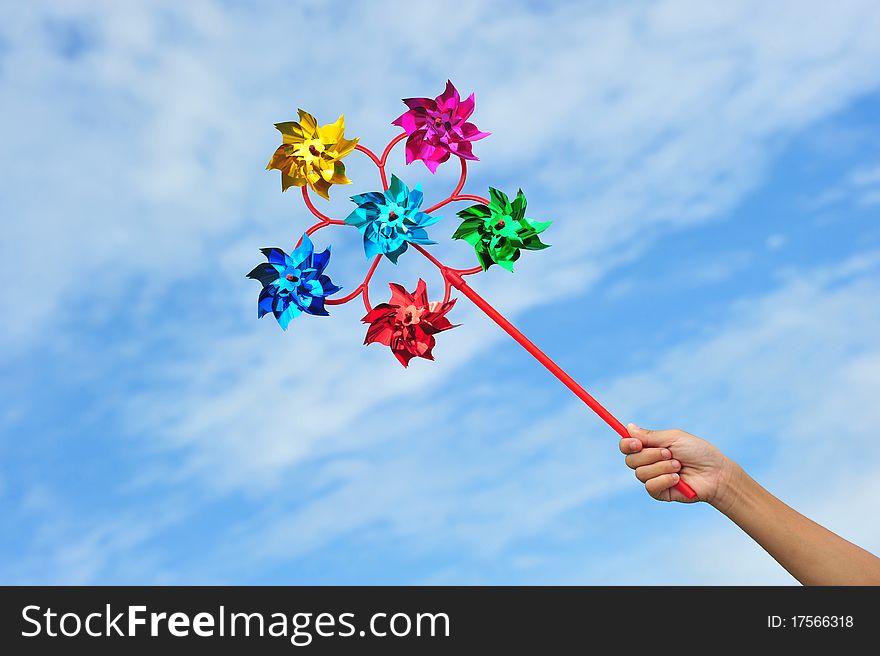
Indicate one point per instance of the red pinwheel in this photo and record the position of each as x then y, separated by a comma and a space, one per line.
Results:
408, 322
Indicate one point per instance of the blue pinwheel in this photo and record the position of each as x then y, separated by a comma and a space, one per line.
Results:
295, 283
390, 220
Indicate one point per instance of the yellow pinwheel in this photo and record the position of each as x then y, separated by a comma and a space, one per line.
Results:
311, 155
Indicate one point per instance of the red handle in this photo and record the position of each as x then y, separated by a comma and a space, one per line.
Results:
459, 283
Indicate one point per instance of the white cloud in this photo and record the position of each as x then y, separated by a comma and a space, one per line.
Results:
137, 166
741, 384
775, 242
860, 187
661, 115
800, 427
463, 473
699, 270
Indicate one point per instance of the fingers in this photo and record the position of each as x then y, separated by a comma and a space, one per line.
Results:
647, 457
647, 472
650, 454
656, 438
628, 446
659, 487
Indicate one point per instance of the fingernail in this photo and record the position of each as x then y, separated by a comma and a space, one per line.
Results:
675, 478
666, 453
676, 464
634, 444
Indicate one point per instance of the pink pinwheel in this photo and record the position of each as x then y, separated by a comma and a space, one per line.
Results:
438, 128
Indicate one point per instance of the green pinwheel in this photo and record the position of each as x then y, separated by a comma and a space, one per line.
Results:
500, 230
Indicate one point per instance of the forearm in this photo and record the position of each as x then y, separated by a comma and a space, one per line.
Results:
811, 553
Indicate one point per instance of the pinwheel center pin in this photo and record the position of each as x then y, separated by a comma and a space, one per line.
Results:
412, 315
310, 157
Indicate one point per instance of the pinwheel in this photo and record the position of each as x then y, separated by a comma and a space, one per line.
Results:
392, 222
439, 128
293, 284
391, 219
500, 230
408, 322
312, 155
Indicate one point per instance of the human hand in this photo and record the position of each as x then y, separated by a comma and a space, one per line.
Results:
661, 458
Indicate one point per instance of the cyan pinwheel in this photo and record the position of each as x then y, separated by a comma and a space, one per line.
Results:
390, 220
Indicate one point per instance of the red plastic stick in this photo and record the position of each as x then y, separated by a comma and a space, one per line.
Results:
461, 285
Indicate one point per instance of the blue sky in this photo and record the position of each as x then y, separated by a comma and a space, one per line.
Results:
714, 177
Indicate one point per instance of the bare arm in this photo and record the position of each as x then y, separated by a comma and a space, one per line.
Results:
810, 552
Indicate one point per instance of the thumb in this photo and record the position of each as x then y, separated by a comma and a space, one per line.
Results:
657, 438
